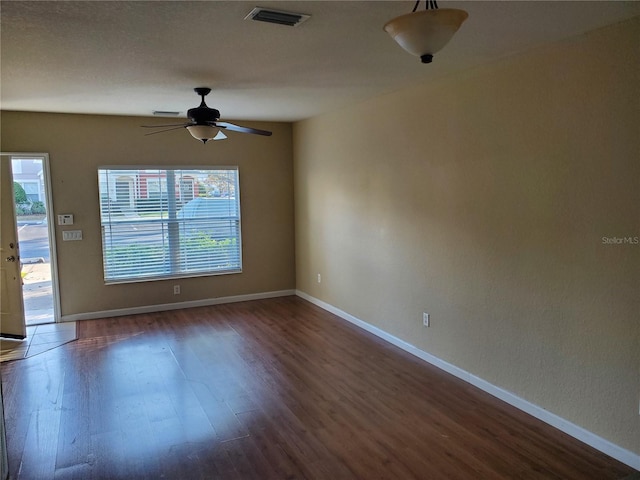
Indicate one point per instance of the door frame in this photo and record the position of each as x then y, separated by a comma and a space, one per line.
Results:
51, 225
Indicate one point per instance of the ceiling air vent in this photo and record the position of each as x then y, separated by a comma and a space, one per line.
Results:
291, 19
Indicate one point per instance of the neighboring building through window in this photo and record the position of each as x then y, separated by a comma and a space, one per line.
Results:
186, 189
167, 223
124, 191
29, 174
153, 188
32, 189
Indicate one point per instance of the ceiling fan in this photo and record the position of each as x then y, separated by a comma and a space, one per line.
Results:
204, 123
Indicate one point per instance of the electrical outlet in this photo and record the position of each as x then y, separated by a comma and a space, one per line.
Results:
425, 319
319, 278
176, 289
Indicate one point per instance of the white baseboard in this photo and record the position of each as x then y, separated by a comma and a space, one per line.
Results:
625, 456
174, 306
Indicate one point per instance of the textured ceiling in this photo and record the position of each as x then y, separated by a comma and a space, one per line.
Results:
130, 58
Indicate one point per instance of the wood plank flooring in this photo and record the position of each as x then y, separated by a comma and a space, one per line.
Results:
270, 389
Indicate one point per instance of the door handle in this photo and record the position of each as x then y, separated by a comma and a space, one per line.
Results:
12, 258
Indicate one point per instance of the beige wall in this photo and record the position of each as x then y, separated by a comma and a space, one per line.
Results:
483, 200
78, 144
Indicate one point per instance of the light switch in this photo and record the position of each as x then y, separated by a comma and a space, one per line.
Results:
68, 235
65, 219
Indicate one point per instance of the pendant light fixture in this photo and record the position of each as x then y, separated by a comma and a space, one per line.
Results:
423, 33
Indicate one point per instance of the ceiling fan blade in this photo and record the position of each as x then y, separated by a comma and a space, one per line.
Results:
162, 131
220, 136
170, 125
238, 128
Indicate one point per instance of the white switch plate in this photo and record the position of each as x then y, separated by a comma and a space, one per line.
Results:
425, 319
68, 235
65, 219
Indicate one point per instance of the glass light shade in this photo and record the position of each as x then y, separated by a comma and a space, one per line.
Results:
425, 32
205, 133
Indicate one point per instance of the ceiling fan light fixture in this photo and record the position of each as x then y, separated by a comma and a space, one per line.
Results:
425, 32
204, 133
204, 122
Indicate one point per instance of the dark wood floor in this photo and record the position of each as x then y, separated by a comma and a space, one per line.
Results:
271, 389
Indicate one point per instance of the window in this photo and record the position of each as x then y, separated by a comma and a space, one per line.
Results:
151, 230
186, 189
32, 189
153, 188
124, 191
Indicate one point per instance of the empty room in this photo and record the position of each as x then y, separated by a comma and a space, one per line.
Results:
320, 240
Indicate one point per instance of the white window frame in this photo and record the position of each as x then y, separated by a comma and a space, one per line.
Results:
182, 254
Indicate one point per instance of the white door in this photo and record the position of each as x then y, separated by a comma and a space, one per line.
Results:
12, 322
36, 239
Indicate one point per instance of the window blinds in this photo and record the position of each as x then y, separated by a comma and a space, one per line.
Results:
166, 223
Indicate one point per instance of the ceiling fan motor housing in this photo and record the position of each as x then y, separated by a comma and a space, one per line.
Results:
203, 115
